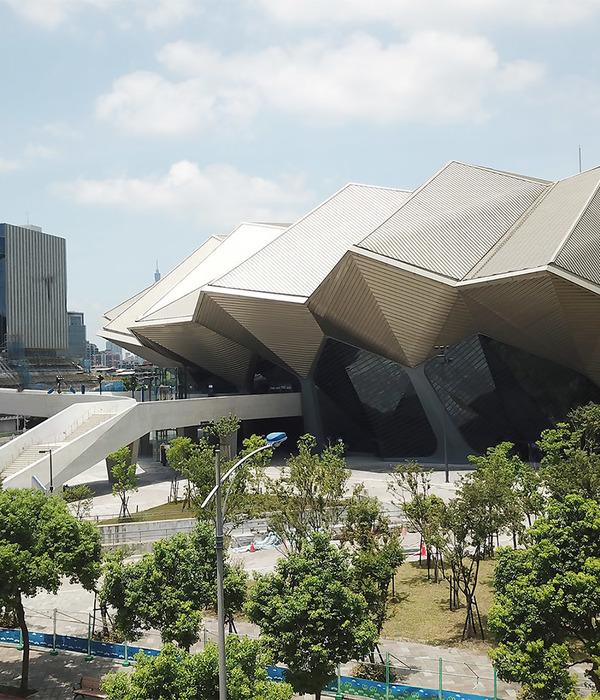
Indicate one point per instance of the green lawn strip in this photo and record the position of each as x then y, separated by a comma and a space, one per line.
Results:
422, 612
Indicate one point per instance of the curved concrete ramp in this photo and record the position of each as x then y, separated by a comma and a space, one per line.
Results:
81, 432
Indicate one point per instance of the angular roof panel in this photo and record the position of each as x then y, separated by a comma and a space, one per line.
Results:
300, 259
454, 219
536, 237
241, 243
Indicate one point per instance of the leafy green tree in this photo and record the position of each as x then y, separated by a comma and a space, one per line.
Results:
571, 454
124, 476
375, 552
547, 604
410, 485
196, 463
309, 494
81, 497
168, 588
177, 675
40, 542
509, 491
310, 617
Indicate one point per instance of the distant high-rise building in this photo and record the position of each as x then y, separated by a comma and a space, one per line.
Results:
76, 334
113, 349
33, 290
156, 273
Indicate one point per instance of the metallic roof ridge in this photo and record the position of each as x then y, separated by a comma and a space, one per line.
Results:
505, 239
163, 280
154, 308
576, 221
215, 282
252, 293
508, 173
411, 196
402, 265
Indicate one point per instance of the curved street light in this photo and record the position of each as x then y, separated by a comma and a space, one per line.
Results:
273, 440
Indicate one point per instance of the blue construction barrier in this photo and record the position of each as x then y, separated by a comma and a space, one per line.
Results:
77, 644
361, 687
376, 690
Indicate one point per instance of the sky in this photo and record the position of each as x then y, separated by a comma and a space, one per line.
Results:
135, 129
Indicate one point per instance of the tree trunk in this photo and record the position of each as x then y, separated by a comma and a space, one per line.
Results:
594, 675
25, 632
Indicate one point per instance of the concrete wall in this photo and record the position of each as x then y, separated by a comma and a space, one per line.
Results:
142, 532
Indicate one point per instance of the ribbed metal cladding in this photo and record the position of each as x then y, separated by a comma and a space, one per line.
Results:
211, 315
414, 306
298, 261
36, 289
532, 242
581, 309
581, 251
288, 329
525, 312
454, 219
204, 348
347, 310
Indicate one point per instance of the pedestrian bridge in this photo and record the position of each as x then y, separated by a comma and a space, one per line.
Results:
82, 429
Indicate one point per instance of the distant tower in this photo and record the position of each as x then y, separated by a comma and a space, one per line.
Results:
156, 273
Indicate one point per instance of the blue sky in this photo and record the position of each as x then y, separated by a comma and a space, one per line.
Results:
137, 128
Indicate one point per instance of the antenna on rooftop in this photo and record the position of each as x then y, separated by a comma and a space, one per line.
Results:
579, 158
156, 273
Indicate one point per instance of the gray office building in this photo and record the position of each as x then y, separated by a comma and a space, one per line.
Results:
33, 291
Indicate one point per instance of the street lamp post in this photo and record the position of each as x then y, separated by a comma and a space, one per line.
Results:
273, 440
49, 453
442, 351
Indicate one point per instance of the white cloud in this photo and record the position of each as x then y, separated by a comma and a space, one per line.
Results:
429, 13
434, 77
38, 152
7, 165
155, 14
147, 103
218, 195
60, 130
53, 13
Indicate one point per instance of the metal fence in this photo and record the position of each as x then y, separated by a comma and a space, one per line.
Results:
409, 677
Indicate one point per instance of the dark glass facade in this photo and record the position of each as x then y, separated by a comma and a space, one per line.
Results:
370, 402
491, 392
494, 392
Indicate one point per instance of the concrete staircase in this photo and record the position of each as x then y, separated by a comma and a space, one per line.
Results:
34, 453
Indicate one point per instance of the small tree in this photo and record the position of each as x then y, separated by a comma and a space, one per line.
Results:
40, 542
177, 675
375, 552
168, 589
81, 497
571, 455
309, 493
547, 603
310, 617
125, 479
411, 485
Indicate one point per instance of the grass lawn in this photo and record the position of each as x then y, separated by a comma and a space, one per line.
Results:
167, 511
422, 613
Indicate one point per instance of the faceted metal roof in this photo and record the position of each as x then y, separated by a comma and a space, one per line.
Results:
473, 250
449, 223
298, 261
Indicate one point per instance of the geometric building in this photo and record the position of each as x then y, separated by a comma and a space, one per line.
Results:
33, 291
351, 305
